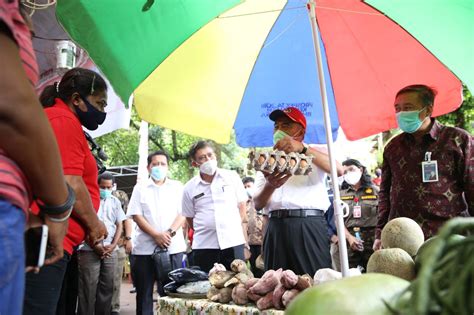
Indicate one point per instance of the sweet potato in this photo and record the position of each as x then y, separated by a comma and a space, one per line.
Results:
239, 295
251, 282
253, 297
277, 294
267, 283
265, 302
288, 296
288, 279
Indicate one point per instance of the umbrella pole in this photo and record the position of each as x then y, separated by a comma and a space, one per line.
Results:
338, 205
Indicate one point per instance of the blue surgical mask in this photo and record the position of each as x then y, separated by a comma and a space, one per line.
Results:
409, 121
158, 173
278, 135
105, 193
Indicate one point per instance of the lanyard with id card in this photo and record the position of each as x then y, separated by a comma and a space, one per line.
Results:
429, 169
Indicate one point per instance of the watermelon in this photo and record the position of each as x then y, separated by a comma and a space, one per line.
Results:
361, 295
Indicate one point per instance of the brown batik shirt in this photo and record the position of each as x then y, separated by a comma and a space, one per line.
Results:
403, 192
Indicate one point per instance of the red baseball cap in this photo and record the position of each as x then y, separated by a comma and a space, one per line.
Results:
291, 112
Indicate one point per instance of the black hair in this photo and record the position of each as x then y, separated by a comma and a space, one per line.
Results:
425, 93
365, 179
198, 146
159, 152
106, 176
248, 179
83, 81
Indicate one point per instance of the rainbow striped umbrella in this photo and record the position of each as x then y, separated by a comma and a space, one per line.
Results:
205, 67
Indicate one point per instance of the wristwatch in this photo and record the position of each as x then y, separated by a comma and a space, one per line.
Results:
305, 149
127, 238
172, 233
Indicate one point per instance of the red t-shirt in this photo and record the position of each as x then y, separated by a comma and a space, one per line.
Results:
76, 159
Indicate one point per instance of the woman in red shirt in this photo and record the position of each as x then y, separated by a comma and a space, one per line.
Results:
79, 99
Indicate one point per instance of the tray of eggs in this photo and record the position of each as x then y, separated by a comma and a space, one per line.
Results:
278, 161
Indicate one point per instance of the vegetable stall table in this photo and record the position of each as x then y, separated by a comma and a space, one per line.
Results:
174, 306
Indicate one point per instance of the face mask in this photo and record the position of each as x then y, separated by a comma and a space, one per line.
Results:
278, 135
92, 118
410, 121
209, 167
250, 191
158, 173
105, 193
353, 178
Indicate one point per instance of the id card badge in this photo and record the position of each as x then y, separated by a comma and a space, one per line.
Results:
429, 169
357, 212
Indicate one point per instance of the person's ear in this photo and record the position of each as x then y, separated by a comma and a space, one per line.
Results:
429, 110
194, 164
76, 99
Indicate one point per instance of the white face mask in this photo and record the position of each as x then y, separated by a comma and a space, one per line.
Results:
353, 177
250, 191
209, 167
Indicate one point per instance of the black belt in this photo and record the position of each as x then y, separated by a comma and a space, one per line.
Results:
296, 213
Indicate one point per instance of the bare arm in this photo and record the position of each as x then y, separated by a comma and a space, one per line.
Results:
31, 145
189, 221
84, 210
117, 235
178, 222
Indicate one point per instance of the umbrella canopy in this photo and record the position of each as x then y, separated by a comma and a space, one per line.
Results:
252, 58
446, 28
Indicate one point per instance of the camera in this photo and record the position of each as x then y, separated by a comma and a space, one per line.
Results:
97, 152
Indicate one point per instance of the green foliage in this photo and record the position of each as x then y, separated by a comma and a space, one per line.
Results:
122, 148
464, 116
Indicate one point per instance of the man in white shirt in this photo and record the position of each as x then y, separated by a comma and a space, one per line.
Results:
296, 235
155, 206
96, 267
214, 204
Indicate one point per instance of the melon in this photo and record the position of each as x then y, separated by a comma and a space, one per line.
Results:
360, 295
403, 233
425, 248
392, 261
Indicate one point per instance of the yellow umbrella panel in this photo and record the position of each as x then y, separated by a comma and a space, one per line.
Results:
199, 87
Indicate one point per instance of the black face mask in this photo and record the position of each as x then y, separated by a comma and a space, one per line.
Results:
92, 118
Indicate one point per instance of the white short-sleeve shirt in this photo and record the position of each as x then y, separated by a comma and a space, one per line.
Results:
159, 205
214, 209
299, 192
110, 213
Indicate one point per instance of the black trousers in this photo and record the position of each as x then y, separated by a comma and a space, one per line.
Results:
299, 244
205, 258
42, 290
67, 303
143, 271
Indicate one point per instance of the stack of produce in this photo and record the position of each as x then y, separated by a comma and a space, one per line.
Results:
187, 281
274, 290
445, 278
401, 239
